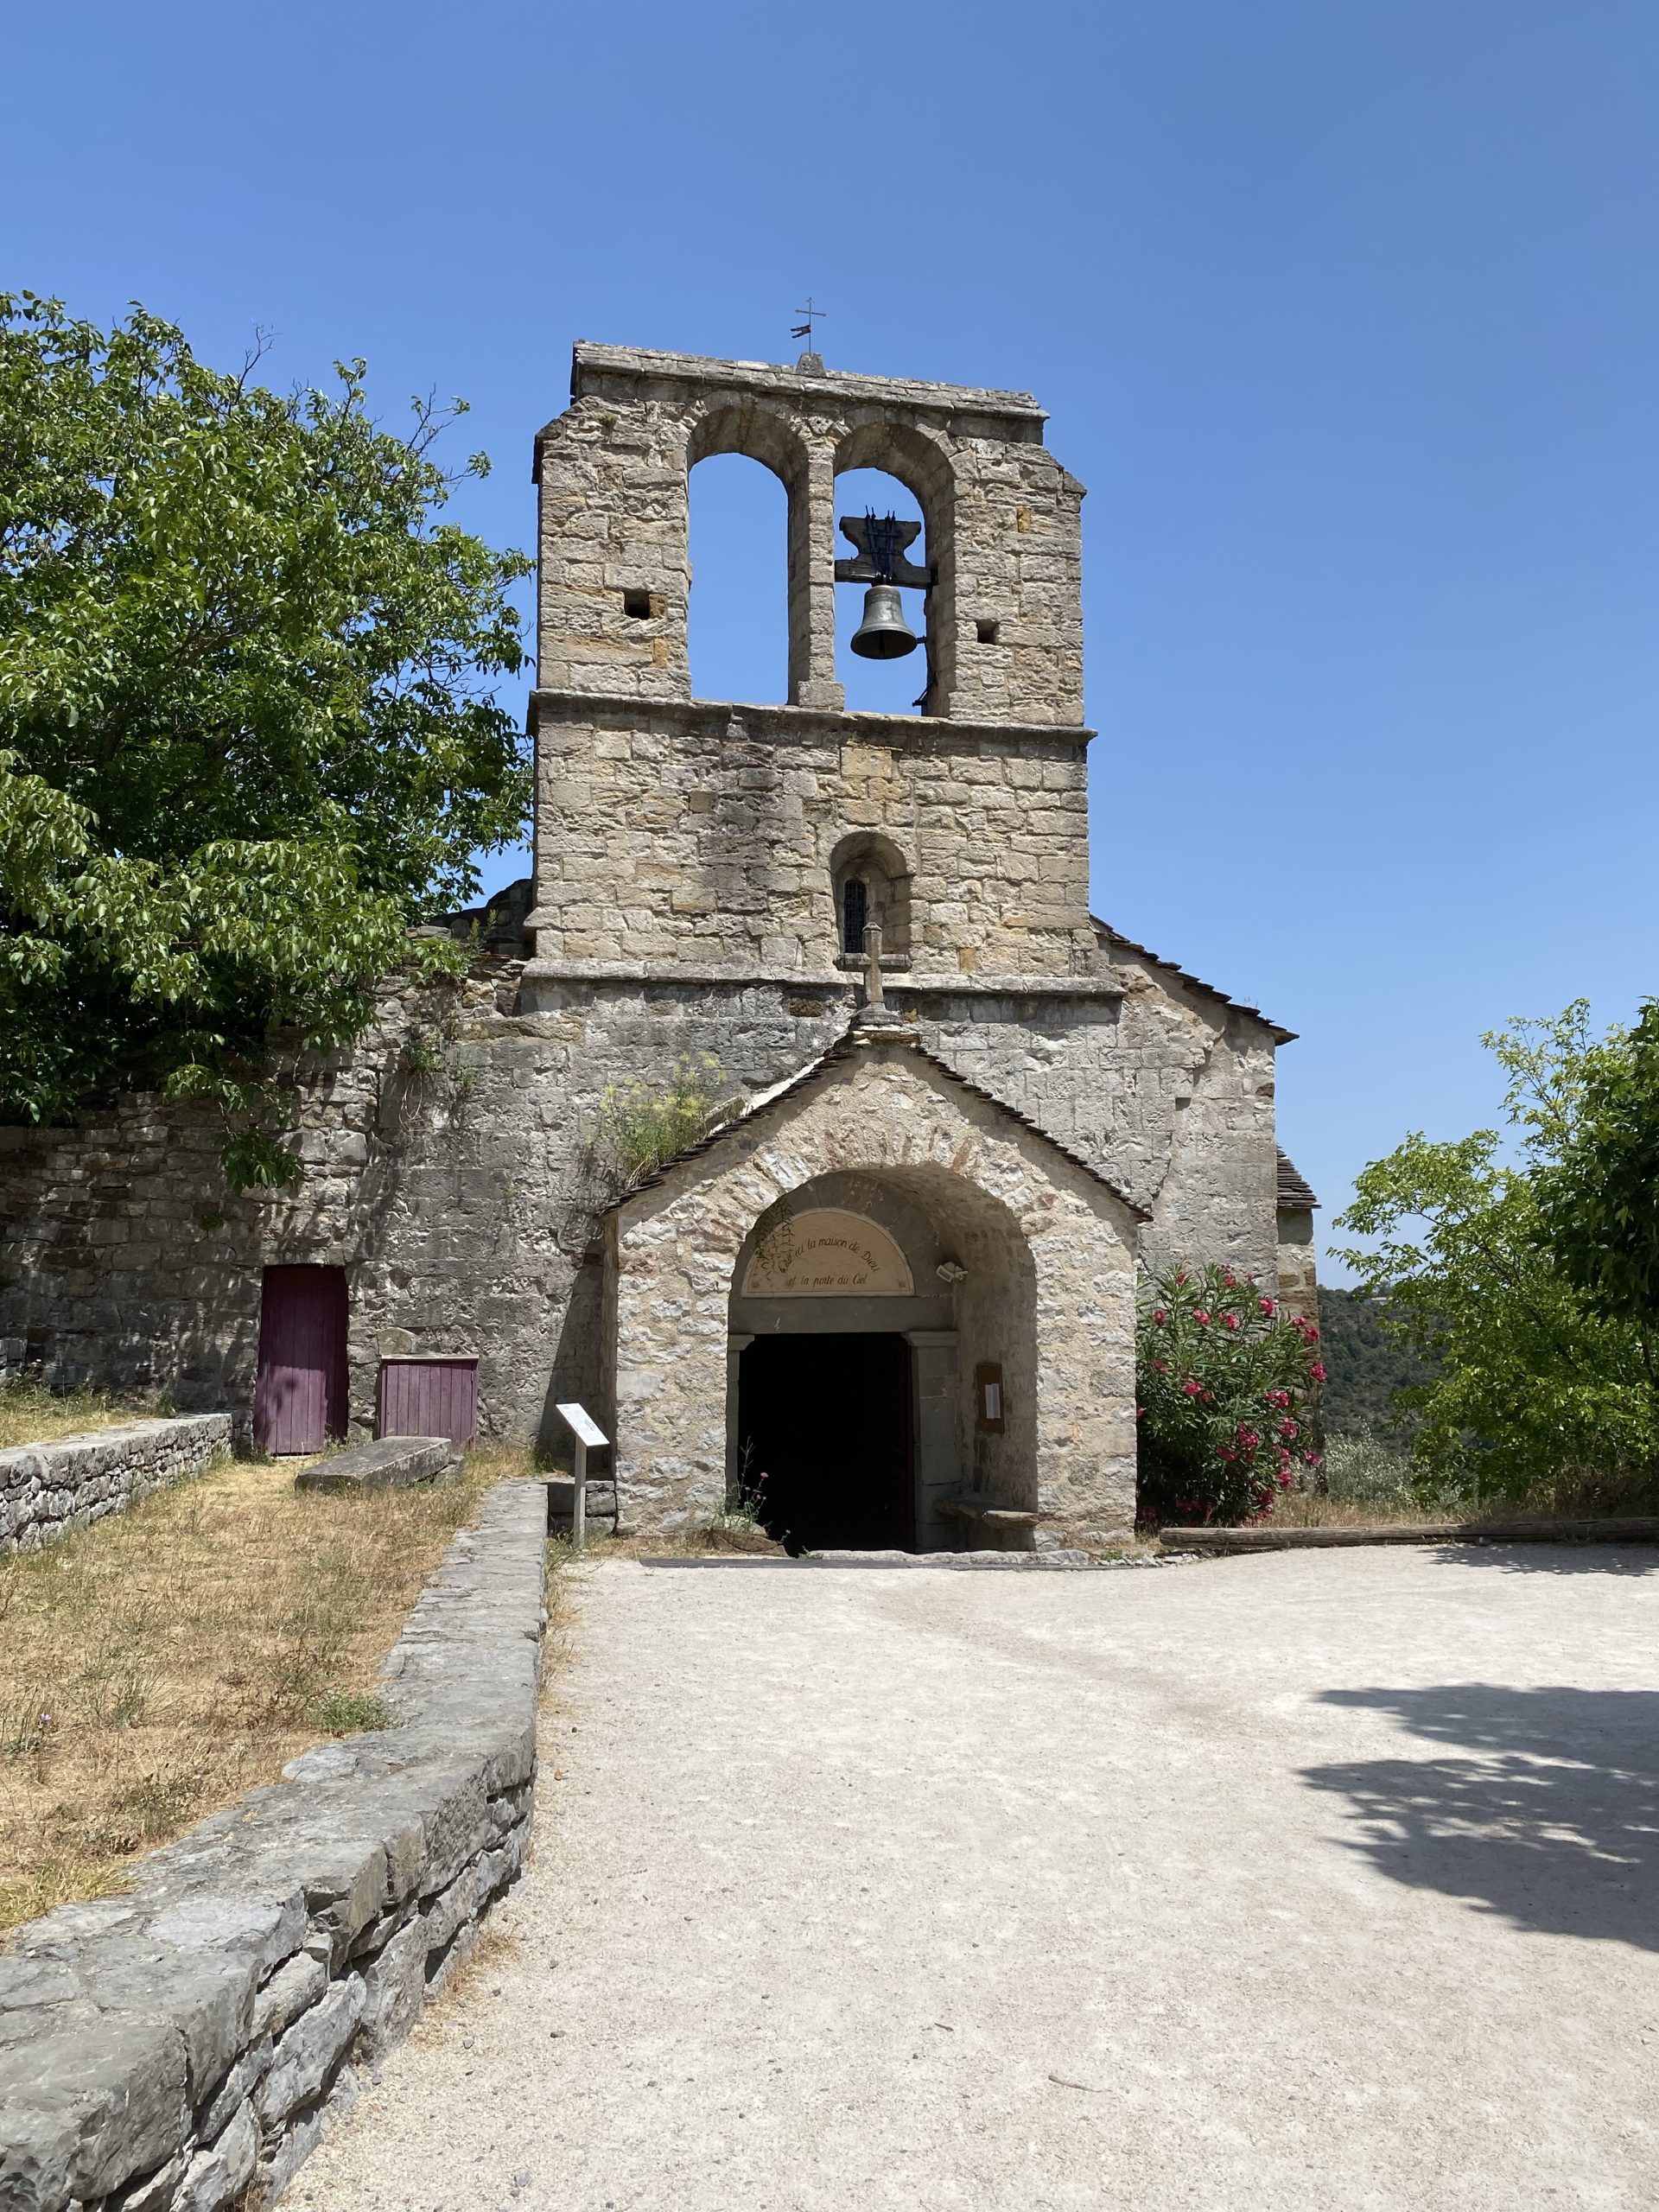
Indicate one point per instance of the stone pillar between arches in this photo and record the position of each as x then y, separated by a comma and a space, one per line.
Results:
812, 680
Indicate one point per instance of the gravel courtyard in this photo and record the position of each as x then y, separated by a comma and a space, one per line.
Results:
1310, 1880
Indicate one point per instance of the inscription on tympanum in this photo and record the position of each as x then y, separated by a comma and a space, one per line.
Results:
827, 1255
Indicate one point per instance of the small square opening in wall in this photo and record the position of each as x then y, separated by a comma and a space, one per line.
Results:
637, 604
988, 634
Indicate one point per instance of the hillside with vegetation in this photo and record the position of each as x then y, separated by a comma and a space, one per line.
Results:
1365, 1364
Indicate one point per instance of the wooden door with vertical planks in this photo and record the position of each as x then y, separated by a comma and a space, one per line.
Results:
300, 1392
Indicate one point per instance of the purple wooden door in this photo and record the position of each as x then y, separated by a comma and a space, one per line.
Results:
429, 1397
300, 1394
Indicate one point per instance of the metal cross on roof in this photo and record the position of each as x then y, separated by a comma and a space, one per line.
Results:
812, 315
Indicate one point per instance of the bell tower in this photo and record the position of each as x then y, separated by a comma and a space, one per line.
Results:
1002, 514
683, 836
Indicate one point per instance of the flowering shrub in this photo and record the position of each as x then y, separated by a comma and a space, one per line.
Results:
1223, 1378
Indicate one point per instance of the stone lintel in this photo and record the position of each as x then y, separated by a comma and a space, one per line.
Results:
763, 719
1101, 990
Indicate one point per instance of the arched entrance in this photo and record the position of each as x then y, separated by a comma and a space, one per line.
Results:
862, 1303
1005, 1269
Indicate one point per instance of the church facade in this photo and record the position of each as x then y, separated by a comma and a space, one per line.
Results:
892, 1293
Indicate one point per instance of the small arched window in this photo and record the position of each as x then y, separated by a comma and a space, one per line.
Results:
854, 913
870, 879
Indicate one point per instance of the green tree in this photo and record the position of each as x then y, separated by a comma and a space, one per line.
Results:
247, 728
1597, 1181
1535, 1388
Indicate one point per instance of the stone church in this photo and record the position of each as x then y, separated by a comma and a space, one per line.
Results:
892, 1292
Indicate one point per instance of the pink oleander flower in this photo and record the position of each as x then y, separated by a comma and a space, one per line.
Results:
1159, 1317
1201, 1317
1283, 1478
1249, 1439
1266, 1305
1288, 1428
1229, 1321
1190, 1389
1318, 1370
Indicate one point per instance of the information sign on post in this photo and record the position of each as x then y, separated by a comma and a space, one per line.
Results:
586, 1430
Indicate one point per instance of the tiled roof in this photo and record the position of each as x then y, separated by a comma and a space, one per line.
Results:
1292, 1191
1279, 1036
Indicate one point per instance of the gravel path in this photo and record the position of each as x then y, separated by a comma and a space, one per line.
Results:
1305, 1880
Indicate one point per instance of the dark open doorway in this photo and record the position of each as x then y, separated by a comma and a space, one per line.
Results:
825, 1419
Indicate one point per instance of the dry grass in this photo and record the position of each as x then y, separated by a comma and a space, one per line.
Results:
157, 1665
1307, 1508
30, 1413
655, 1543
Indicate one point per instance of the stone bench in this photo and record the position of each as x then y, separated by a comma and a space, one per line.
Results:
390, 1463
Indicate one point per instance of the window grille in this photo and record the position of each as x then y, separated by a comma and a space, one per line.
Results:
854, 913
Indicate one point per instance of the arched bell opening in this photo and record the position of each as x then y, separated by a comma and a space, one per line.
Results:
884, 467
738, 602
868, 1308
881, 651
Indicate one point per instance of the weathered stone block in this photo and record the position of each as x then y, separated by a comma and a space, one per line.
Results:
220, 2173
304, 2057
390, 1463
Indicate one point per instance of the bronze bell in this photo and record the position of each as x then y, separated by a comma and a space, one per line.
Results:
884, 634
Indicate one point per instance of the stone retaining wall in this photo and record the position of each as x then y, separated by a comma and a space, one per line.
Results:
48, 1489
166, 2050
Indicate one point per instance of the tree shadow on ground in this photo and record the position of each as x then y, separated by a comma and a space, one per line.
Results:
1627, 1559
1549, 1819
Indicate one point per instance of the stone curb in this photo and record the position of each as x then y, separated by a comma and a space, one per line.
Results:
1058, 1562
1220, 1543
169, 2050
47, 1490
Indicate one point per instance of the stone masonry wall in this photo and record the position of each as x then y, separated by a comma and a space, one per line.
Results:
702, 837
461, 1200
181, 2048
1298, 1279
46, 1489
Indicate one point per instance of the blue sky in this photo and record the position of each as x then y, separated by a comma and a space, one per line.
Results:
1344, 310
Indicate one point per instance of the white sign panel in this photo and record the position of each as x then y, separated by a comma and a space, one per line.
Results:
581, 1425
827, 1254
